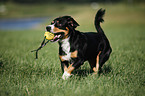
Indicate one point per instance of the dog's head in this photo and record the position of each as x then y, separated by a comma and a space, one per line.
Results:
61, 27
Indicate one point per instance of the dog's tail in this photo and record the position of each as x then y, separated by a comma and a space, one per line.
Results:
98, 19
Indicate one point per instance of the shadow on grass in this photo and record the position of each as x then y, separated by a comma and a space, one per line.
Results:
85, 72
1, 64
105, 70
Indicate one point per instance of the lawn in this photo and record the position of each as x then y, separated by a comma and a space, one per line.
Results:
123, 74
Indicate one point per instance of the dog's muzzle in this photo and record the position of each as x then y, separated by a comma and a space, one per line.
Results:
57, 36
48, 28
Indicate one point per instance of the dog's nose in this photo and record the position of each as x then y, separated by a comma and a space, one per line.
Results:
48, 28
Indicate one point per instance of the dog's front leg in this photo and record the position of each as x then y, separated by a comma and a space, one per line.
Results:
67, 72
64, 63
64, 66
77, 63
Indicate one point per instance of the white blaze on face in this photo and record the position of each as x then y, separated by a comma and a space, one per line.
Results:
52, 27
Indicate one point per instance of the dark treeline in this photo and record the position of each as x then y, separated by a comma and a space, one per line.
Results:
71, 1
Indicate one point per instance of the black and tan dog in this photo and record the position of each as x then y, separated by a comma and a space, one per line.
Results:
76, 47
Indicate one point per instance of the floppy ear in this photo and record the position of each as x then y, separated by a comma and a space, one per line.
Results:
72, 22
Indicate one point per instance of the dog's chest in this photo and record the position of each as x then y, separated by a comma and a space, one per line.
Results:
65, 45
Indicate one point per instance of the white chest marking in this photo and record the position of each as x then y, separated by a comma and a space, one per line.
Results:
66, 48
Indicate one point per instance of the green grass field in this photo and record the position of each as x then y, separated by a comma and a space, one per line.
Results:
123, 74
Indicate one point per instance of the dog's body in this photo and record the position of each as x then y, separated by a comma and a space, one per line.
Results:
77, 47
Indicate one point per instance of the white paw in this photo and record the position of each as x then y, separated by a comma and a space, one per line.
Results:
65, 75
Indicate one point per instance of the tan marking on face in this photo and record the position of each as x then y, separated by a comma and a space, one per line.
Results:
57, 30
74, 54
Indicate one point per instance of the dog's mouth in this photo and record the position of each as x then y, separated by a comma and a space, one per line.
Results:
57, 36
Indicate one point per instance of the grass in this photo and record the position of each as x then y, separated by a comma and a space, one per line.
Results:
123, 74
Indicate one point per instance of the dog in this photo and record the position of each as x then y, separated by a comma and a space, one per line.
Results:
76, 47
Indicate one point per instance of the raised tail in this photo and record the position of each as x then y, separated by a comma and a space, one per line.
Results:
98, 19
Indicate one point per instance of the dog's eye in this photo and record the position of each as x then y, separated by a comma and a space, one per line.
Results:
59, 23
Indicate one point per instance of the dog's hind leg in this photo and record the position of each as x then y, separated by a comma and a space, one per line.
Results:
94, 63
96, 69
105, 57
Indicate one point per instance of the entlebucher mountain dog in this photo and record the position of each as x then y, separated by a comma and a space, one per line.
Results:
76, 47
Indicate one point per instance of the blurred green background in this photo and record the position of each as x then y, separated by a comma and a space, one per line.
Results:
71, 1
22, 27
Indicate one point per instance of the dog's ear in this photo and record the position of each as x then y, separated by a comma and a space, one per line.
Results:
72, 22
